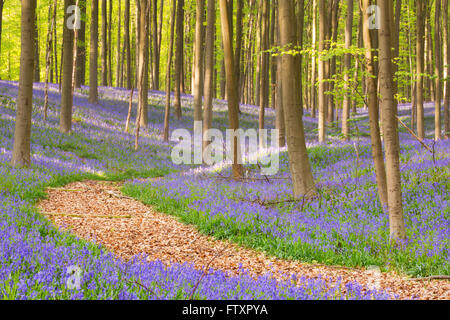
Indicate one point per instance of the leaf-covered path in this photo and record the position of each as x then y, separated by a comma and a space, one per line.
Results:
97, 211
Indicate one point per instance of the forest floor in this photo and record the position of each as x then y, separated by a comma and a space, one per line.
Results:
183, 220
99, 212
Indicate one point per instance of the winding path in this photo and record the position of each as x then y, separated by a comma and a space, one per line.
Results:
97, 211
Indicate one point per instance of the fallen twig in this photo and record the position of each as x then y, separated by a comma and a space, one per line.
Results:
414, 135
430, 278
85, 216
205, 271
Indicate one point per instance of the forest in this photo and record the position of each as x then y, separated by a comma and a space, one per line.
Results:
224, 150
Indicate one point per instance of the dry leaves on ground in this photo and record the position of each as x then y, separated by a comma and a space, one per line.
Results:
98, 211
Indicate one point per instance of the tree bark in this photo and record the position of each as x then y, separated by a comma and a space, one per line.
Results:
372, 96
390, 124
233, 103
127, 43
264, 78
22, 131
321, 72
81, 48
313, 95
37, 70
198, 60
300, 168
420, 27
179, 58
437, 71
209, 70
65, 121
347, 65
93, 54
169, 67
104, 44
446, 70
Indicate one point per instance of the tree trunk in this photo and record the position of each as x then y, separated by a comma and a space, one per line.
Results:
313, 95
169, 67
179, 58
233, 103
372, 96
80, 78
93, 54
110, 83
302, 177
37, 70
48, 57
321, 72
1, 23
264, 78
143, 63
390, 124
209, 70
127, 42
104, 44
198, 60
156, 49
347, 65
420, 67
22, 130
437, 71
446, 70
279, 111
118, 62
65, 121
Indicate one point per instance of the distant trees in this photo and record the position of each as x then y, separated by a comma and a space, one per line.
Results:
22, 131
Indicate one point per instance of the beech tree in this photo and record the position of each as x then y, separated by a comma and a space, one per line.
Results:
390, 125
93, 54
300, 168
22, 129
65, 120
233, 103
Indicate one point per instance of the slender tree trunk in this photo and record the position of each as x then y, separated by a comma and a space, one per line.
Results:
233, 103
127, 43
119, 29
143, 63
179, 58
209, 70
437, 71
372, 96
237, 64
65, 122
93, 54
198, 60
347, 65
313, 95
37, 70
55, 40
332, 63
81, 47
279, 112
300, 168
104, 44
22, 131
110, 71
156, 49
446, 70
420, 67
389, 121
321, 92
1, 24
264, 78
169, 67
48, 57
